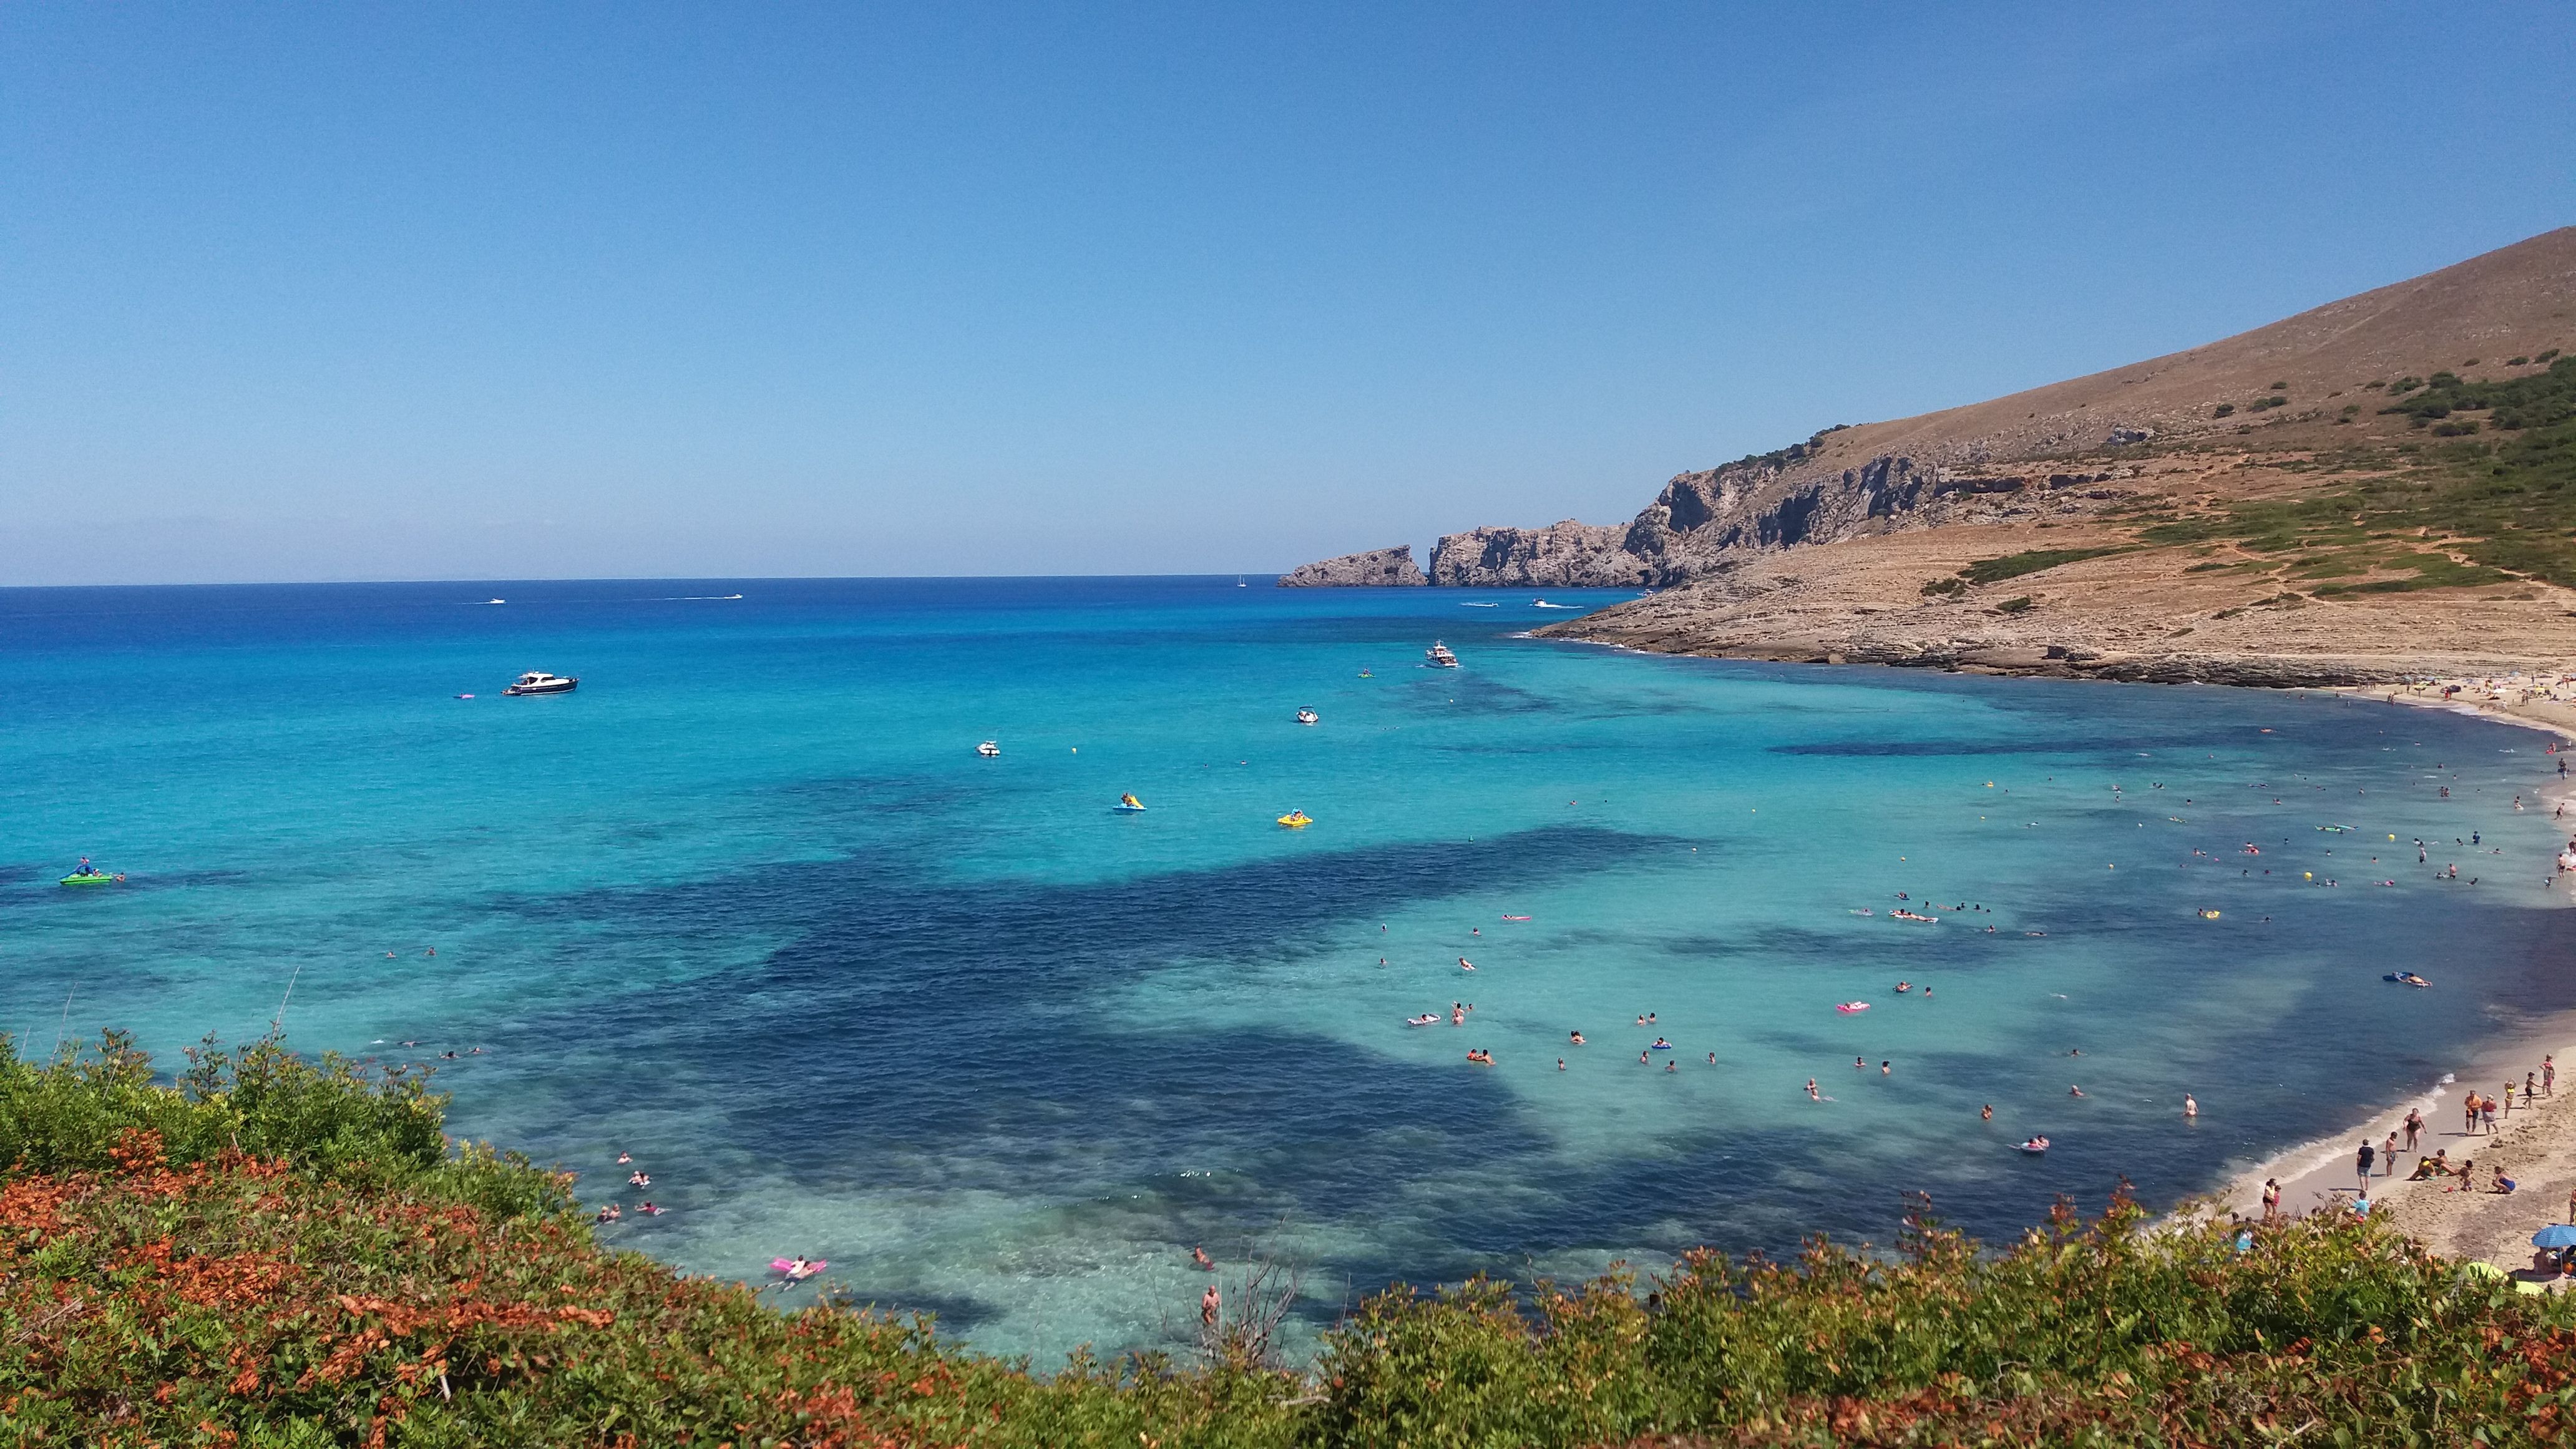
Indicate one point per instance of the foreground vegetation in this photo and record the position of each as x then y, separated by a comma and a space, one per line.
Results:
282, 1252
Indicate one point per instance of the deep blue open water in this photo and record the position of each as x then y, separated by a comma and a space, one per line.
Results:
749, 906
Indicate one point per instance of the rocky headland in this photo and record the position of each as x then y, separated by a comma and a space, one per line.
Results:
1376, 568
2371, 489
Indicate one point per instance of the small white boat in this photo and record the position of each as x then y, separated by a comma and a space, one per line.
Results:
1307, 716
537, 681
1440, 656
989, 750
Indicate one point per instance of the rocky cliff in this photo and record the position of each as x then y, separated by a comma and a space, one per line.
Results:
1705, 522
1377, 568
2060, 452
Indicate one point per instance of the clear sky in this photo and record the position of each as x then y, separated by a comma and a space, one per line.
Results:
502, 290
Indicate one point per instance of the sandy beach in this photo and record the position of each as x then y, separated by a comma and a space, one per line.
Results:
2535, 1145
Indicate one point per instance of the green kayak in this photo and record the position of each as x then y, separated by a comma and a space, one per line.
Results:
95, 877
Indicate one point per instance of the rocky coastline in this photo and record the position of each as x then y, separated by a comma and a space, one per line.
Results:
1377, 568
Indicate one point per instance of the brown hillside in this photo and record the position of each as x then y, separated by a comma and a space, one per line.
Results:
2515, 301
2310, 383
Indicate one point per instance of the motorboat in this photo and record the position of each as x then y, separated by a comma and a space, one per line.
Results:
1296, 819
1307, 716
989, 750
1440, 656
1131, 804
537, 681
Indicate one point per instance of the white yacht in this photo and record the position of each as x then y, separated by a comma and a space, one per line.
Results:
537, 681
989, 750
1307, 716
1440, 656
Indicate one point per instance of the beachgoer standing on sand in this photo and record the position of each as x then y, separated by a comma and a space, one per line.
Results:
2549, 1075
2271, 1198
2508, 1096
2487, 1113
2388, 1156
2469, 1108
2361, 1165
2414, 1127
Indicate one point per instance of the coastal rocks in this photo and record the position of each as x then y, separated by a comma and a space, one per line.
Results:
1378, 568
1566, 555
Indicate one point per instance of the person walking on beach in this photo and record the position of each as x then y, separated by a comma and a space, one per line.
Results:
2414, 1127
2469, 1108
2272, 1199
2388, 1156
2487, 1113
2508, 1096
2361, 1165
2549, 1075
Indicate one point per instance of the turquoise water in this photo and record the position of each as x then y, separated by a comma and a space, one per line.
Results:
749, 907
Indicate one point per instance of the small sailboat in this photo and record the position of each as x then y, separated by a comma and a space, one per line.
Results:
1307, 716
1131, 804
989, 750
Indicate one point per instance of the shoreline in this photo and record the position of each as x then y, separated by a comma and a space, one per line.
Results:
2536, 1146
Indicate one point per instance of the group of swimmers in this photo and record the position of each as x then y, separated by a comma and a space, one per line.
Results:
638, 1178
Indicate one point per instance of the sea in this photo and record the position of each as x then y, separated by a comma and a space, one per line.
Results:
750, 908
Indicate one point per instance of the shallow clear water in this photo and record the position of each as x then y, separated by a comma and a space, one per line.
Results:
748, 906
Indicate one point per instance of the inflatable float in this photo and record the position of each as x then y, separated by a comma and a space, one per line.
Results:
1849, 1008
1131, 804
2034, 1146
1296, 819
797, 1272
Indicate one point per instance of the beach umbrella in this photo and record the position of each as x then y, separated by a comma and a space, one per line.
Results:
2556, 1235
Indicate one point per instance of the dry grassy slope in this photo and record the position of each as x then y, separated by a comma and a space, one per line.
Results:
2516, 301
2158, 614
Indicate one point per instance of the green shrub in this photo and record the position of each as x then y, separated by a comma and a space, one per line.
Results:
2223, 410
2014, 565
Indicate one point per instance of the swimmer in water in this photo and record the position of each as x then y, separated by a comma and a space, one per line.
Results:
1988, 1114
1712, 1059
1671, 1067
1576, 1037
1642, 1059
623, 1159
1466, 965
1199, 1257
1812, 1094
1560, 1064
2075, 1091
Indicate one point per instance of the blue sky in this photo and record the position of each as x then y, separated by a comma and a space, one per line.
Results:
374, 291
